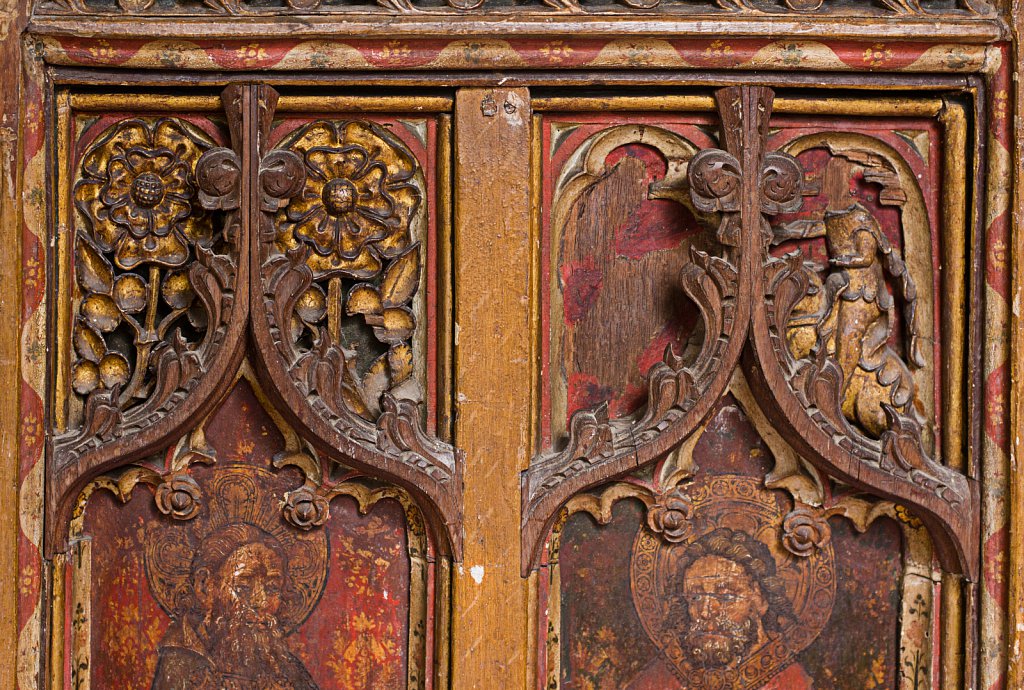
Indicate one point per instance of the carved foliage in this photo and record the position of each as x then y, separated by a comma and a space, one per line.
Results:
161, 325
339, 269
154, 270
826, 347
821, 352
837, 352
349, 300
598, 448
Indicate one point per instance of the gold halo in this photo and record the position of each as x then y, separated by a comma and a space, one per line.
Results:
742, 504
237, 494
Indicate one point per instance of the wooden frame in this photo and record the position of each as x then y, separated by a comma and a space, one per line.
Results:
43, 61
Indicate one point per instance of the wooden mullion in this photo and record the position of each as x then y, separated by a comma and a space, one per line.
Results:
492, 385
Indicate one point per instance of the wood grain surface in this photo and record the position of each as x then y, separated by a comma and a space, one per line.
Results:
12, 20
492, 389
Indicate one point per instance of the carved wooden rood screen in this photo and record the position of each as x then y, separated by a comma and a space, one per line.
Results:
574, 345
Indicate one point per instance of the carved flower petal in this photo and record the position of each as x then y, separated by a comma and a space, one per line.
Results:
168, 213
399, 162
119, 181
309, 201
187, 144
365, 265
405, 200
138, 221
93, 271
114, 370
88, 343
362, 228
85, 377
394, 244
165, 251
328, 163
349, 163
176, 180
103, 229
195, 228
147, 161
124, 136
399, 325
373, 199
320, 229
363, 299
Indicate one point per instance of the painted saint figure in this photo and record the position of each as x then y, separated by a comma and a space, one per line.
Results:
228, 635
727, 604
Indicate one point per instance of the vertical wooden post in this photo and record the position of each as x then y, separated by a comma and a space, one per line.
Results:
492, 381
12, 21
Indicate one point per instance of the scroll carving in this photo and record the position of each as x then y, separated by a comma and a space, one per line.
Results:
157, 270
338, 270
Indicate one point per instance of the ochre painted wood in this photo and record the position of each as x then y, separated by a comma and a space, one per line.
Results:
492, 392
12, 21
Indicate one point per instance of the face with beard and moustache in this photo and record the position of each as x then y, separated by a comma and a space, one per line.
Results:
725, 607
243, 632
233, 639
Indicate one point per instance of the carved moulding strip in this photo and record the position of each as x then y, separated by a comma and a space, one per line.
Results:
148, 262
845, 398
680, 394
309, 229
881, 8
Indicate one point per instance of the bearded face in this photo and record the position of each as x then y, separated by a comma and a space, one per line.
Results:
243, 631
725, 607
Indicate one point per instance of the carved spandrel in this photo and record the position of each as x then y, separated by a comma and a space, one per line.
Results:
158, 314
822, 354
339, 266
338, 210
846, 343
680, 389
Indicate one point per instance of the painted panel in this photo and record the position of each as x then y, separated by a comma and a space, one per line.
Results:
236, 596
731, 563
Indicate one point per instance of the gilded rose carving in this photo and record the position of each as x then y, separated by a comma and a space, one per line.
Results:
348, 195
147, 257
137, 191
357, 201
